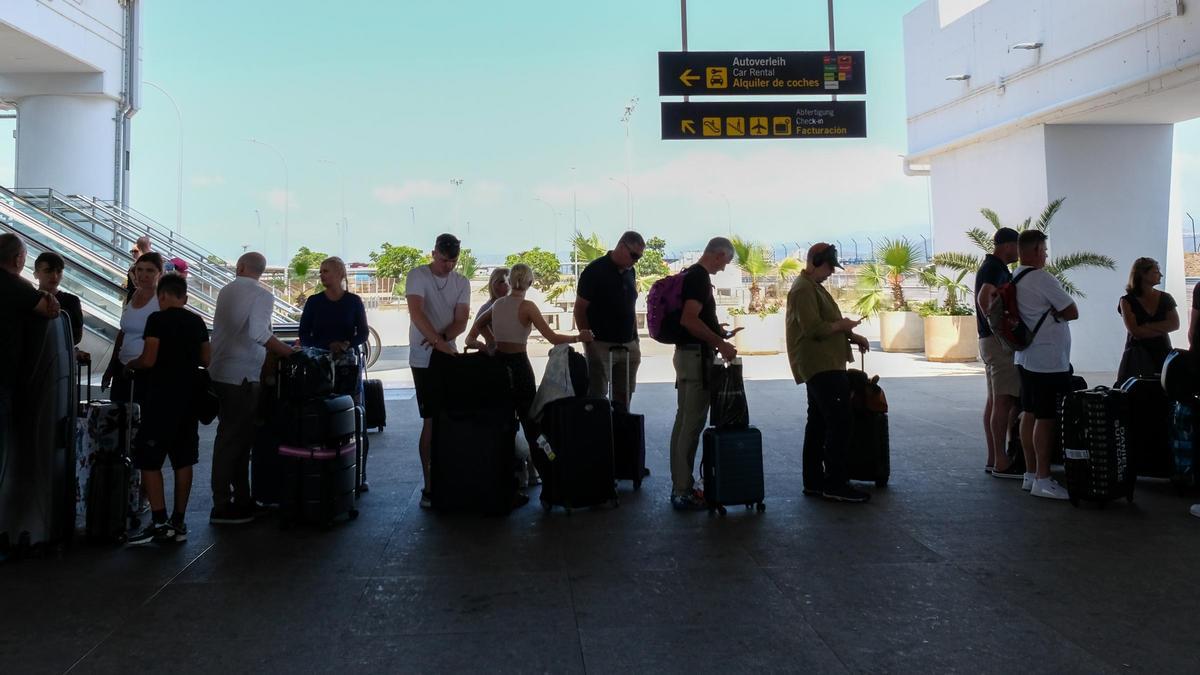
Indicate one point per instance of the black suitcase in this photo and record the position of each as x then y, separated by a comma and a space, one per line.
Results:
318, 484
629, 432
1148, 427
869, 452
376, 414
305, 374
363, 445
732, 467
578, 470
1093, 440
107, 519
471, 381
318, 422
266, 466
474, 460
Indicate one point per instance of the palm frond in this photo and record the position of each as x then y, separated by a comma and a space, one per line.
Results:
982, 240
753, 258
589, 248
900, 256
789, 268
1078, 259
1068, 285
960, 262
1025, 225
871, 277
1043, 222
992, 217
869, 303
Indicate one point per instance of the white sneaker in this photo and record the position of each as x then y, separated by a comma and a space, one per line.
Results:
1027, 481
1195, 510
1048, 488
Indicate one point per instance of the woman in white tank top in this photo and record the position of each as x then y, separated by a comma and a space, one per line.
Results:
143, 303
511, 319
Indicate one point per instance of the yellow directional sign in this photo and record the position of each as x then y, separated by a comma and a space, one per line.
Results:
687, 78
712, 126
783, 126
735, 126
763, 120
688, 127
758, 126
716, 78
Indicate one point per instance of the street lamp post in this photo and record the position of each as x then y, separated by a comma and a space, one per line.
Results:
287, 197
263, 234
179, 177
628, 202
553, 219
457, 183
344, 226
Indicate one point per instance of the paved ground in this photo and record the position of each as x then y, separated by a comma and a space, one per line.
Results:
945, 570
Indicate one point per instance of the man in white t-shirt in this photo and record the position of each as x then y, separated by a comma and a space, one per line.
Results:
1045, 365
438, 304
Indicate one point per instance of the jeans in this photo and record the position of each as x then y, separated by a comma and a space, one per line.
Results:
691, 415
827, 434
235, 438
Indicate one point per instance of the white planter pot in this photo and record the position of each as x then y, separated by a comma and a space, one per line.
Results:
762, 334
951, 338
901, 332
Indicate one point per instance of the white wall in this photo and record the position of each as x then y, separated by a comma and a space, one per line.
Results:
1117, 183
67, 143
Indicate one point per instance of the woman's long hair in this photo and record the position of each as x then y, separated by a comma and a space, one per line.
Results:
1141, 267
340, 266
497, 274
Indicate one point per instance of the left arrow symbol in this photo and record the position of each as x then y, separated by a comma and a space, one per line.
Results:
687, 78
687, 126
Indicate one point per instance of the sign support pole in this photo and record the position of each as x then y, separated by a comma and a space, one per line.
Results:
683, 27
831, 43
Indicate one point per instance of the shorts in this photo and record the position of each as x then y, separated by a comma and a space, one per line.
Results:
166, 435
1002, 376
1040, 392
424, 383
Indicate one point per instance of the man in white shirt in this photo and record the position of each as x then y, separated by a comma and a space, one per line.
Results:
1045, 365
438, 304
241, 337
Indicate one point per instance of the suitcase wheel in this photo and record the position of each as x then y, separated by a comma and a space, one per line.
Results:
762, 507
637, 484
881, 483
720, 509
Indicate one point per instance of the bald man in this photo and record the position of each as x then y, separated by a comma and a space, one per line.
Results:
241, 338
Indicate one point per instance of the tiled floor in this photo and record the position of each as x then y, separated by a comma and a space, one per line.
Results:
945, 570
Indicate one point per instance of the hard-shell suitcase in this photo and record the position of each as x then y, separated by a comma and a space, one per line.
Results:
362, 445
1148, 427
112, 489
318, 484
869, 452
732, 466
317, 422
266, 467
376, 414
474, 460
576, 458
1094, 451
629, 431
1183, 449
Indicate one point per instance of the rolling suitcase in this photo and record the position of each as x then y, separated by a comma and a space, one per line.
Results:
1183, 450
1148, 427
869, 457
732, 466
266, 467
318, 422
113, 489
1094, 452
474, 460
629, 431
376, 414
318, 484
575, 454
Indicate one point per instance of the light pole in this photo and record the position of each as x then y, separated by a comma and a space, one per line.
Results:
553, 219
1193, 230
457, 183
628, 202
344, 226
626, 117
263, 234
413, 211
179, 177
287, 197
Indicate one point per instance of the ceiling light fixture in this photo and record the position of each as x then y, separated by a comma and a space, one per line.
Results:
1026, 45
958, 78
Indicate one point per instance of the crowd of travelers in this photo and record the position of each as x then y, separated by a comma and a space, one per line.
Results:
161, 345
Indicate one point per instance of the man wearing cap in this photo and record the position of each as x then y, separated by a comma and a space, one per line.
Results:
1003, 380
818, 345
179, 266
438, 304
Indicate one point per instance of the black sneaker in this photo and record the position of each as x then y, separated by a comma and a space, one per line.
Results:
154, 532
179, 531
1013, 471
845, 493
230, 515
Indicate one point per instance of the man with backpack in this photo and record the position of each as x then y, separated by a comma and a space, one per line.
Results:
604, 310
818, 346
1045, 363
1003, 380
698, 336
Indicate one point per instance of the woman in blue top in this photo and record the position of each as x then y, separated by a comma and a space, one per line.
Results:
336, 319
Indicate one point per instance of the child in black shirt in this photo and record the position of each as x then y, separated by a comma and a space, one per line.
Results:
48, 269
176, 347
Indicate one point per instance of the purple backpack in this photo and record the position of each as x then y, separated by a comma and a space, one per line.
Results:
664, 306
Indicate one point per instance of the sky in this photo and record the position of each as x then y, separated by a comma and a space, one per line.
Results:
378, 106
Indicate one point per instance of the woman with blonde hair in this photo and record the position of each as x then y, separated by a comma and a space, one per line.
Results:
335, 319
1150, 316
497, 288
510, 320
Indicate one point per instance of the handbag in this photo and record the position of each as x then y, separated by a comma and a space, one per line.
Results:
728, 407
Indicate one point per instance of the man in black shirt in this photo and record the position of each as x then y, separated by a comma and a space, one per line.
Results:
1003, 380
700, 336
48, 269
176, 347
604, 307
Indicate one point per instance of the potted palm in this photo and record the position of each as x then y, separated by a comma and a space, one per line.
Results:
881, 283
761, 319
949, 324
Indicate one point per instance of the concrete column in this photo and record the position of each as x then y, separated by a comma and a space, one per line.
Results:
67, 143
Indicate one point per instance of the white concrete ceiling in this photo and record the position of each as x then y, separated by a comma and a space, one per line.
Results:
1141, 106
22, 54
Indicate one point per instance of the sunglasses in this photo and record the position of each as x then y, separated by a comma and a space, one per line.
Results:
633, 255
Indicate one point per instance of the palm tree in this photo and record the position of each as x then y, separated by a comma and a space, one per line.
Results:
1059, 267
894, 260
756, 261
